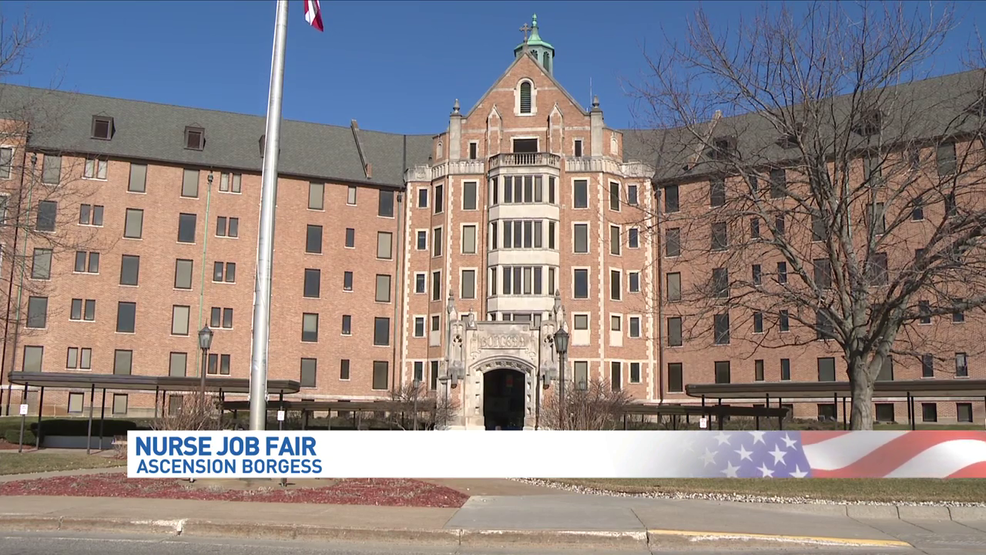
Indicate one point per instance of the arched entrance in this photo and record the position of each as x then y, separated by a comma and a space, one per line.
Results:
503, 399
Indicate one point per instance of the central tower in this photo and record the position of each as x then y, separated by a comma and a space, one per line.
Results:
542, 51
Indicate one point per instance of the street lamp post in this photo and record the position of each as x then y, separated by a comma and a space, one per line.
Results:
205, 342
561, 346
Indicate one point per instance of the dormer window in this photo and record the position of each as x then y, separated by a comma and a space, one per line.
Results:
525, 97
722, 148
102, 127
869, 123
194, 138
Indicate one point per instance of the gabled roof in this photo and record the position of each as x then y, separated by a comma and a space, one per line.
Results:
506, 72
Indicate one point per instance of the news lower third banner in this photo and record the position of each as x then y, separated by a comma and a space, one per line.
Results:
556, 454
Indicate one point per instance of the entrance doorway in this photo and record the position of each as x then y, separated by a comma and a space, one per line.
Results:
503, 399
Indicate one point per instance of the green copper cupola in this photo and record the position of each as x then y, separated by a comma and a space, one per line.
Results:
542, 51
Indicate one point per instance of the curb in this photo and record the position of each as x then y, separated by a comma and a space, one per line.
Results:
619, 539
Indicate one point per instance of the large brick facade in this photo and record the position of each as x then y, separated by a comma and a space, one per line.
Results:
525, 195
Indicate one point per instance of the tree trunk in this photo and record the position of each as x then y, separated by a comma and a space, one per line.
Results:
861, 415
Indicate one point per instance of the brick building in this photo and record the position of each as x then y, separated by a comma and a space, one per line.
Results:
528, 211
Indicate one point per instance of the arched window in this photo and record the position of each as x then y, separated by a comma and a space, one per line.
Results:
525, 97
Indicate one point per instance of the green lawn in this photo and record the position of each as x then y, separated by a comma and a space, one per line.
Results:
879, 490
29, 463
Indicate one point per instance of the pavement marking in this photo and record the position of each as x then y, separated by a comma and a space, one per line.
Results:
780, 538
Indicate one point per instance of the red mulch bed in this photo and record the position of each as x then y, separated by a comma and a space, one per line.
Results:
379, 492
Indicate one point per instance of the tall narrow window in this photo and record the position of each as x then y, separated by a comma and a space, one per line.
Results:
525, 97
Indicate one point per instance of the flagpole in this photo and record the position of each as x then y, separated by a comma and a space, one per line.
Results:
265, 252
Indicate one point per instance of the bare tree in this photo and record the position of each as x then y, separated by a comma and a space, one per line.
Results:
432, 409
818, 192
189, 412
44, 193
597, 406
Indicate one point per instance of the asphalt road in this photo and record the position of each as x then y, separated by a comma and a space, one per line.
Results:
61, 543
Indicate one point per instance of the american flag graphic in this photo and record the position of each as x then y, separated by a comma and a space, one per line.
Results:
780, 454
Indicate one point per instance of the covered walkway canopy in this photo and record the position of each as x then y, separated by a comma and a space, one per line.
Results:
160, 385
909, 389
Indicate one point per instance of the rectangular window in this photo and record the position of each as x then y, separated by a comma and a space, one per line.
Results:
917, 210
722, 371
420, 280
755, 228
473, 148
186, 228
927, 366
615, 285
382, 294
129, 269
946, 159
439, 199
419, 326
309, 369
179, 319
671, 199
123, 362
581, 285
178, 364
33, 358
385, 245
924, 310
126, 316
76, 401
581, 371
313, 283
717, 192
47, 213
347, 281
614, 196
581, 239
6, 162
785, 369
674, 286
316, 196
876, 215
826, 369
469, 239
675, 377
381, 331
758, 370
381, 373
436, 286
757, 274
190, 183
632, 195
351, 196
720, 282
578, 148
616, 375
347, 324
961, 365
673, 242
634, 326
675, 338
422, 240
719, 238
51, 169
227, 227
615, 240
722, 329
230, 182
782, 272
633, 279
91, 214
37, 312
41, 264
818, 232
823, 273
580, 190
436, 242
385, 204
929, 412
344, 369
758, 322
469, 195
309, 328
468, 284
133, 227
119, 403
963, 412
778, 183
138, 178
183, 274
313, 239
633, 238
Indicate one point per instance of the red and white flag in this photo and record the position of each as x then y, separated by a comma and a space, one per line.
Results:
313, 14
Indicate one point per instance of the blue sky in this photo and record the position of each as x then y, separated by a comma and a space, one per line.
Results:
392, 66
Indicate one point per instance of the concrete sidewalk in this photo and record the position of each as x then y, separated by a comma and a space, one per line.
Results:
585, 522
